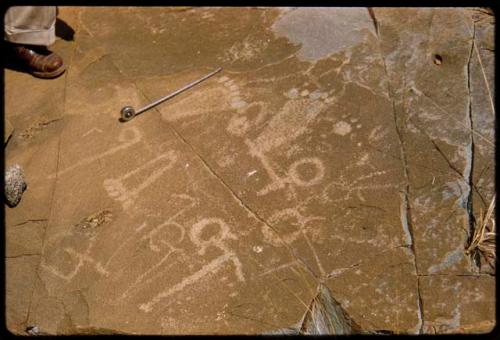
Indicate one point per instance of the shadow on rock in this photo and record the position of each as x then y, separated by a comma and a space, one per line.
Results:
64, 31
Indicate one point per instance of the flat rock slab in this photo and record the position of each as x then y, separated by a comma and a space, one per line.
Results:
334, 149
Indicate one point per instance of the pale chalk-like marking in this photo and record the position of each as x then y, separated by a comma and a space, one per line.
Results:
56, 272
116, 189
217, 241
288, 124
224, 234
141, 227
127, 142
357, 189
283, 266
86, 258
235, 99
289, 237
81, 258
342, 128
293, 93
157, 229
371, 175
270, 236
170, 155
238, 103
316, 257
211, 267
141, 277
295, 177
251, 173
94, 129
238, 125
257, 249
223, 79
292, 174
276, 181
127, 240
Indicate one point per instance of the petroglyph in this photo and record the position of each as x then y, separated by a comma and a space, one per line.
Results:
248, 49
297, 176
162, 234
293, 230
342, 128
234, 95
251, 173
284, 127
295, 226
88, 228
94, 129
283, 266
257, 249
217, 240
162, 240
288, 124
240, 123
79, 257
225, 97
116, 186
211, 267
344, 188
128, 137
294, 174
166, 234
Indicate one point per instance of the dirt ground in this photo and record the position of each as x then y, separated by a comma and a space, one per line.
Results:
346, 147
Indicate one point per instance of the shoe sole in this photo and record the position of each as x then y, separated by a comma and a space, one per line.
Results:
49, 75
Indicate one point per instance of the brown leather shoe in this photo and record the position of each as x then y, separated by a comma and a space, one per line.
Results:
38, 61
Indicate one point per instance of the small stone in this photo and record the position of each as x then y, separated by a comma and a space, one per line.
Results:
33, 330
438, 60
15, 184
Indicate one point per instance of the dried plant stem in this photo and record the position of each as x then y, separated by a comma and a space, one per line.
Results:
483, 239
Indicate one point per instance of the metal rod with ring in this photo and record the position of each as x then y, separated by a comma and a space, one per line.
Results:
128, 112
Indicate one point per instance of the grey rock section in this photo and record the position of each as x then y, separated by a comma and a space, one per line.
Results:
308, 28
15, 184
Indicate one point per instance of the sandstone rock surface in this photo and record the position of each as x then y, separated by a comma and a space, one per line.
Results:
344, 148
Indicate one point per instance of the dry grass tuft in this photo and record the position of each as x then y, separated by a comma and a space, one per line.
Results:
483, 240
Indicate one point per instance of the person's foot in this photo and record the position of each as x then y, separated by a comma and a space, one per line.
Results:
38, 60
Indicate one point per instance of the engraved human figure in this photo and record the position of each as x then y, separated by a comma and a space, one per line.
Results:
218, 241
116, 186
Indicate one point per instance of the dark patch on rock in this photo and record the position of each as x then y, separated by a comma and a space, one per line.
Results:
90, 223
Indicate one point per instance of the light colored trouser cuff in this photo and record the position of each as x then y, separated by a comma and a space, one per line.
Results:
34, 25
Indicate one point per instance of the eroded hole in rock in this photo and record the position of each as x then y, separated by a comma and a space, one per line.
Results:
95, 220
35, 129
438, 59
